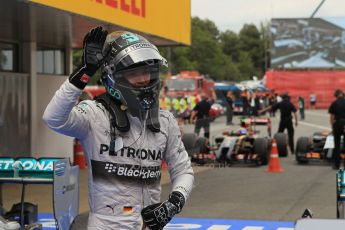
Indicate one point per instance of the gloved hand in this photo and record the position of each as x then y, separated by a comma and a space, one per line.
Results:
92, 57
156, 216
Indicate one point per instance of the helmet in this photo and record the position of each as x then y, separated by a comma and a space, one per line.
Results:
130, 72
243, 131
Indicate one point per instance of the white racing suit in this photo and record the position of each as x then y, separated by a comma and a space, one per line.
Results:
125, 181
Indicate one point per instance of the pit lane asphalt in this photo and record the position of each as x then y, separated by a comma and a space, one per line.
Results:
249, 192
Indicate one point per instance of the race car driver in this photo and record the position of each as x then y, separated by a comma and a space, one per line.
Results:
124, 135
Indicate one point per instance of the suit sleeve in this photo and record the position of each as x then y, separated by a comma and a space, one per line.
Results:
64, 116
179, 165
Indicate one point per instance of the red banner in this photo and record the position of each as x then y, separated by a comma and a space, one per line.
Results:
303, 83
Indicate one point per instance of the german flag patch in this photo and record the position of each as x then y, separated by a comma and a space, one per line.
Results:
128, 209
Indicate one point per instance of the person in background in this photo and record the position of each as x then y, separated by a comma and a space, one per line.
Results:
278, 98
245, 97
271, 101
183, 109
312, 99
251, 102
229, 107
301, 107
337, 120
191, 99
175, 106
256, 99
200, 115
264, 100
124, 134
287, 109
166, 99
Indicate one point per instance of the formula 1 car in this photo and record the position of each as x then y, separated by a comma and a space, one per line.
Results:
315, 148
244, 145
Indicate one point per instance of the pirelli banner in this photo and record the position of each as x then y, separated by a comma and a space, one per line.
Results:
169, 19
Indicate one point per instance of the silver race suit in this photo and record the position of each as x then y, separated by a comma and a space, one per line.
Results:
123, 181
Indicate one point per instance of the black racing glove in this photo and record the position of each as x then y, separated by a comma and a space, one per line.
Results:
92, 57
156, 216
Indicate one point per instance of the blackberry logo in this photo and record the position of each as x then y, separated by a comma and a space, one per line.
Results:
110, 167
107, 170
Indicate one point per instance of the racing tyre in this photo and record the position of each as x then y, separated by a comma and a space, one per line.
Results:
302, 148
202, 149
281, 140
202, 145
261, 149
189, 141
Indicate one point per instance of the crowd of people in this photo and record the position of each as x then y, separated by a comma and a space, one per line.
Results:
189, 109
195, 109
180, 106
254, 101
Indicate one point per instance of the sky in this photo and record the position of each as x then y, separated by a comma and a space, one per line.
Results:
233, 14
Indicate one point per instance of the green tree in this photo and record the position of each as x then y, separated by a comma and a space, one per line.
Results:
205, 25
251, 42
178, 58
206, 50
246, 66
204, 55
218, 54
229, 70
230, 44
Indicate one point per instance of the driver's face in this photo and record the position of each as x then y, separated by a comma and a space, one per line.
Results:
138, 78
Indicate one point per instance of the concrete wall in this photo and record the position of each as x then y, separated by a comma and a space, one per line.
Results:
49, 143
14, 115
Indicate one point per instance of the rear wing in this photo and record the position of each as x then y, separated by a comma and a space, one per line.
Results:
256, 121
250, 122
